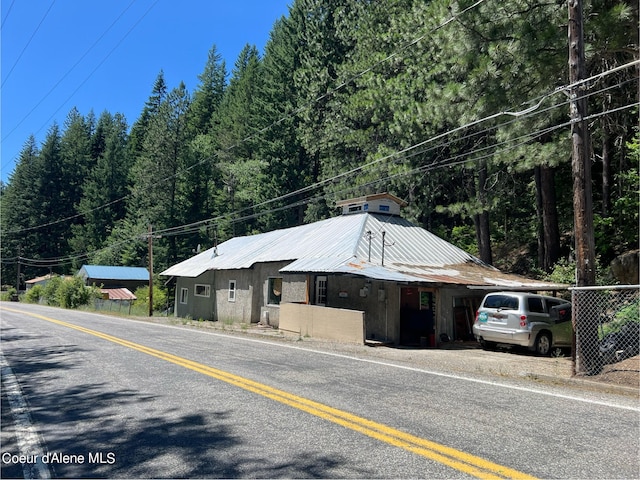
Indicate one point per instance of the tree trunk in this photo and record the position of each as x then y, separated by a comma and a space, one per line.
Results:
550, 227
481, 220
606, 174
540, 216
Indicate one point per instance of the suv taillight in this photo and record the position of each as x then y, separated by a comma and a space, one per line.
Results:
477, 314
523, 320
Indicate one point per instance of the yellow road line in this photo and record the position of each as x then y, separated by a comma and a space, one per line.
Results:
456, 459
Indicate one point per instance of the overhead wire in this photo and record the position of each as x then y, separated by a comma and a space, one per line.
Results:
517, 114
68, 72
259, 132
453, 161
24, 49
8, 12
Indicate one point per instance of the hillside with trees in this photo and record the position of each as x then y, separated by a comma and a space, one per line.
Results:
461, 109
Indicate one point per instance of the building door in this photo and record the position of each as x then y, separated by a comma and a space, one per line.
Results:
321, 291
417, 317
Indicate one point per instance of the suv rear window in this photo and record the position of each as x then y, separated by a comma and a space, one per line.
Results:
501, 301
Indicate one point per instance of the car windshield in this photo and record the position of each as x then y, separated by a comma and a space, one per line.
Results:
503, 302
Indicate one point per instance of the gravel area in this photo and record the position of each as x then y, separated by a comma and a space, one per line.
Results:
465, 358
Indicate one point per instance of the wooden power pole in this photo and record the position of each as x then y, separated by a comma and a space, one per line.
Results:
150, 238
581, 161
587, 349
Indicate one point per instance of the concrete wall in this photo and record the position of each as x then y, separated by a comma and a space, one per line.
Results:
380, 301
323, 322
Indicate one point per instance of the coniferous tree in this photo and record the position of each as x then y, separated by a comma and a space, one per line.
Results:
20, 205
238, 167
105, 188
289, 169
200, 176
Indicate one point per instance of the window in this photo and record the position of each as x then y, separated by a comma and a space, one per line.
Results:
232, 290
503, 302
274, 293
184, 295
202, 290
535, 305
321, 291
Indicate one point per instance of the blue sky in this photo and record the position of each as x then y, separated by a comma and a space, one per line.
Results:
106, 55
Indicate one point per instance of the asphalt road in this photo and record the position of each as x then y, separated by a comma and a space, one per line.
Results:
109, 397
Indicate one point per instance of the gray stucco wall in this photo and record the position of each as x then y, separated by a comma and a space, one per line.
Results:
197, 307
379, 300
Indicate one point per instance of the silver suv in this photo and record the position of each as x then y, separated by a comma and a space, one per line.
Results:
519, 318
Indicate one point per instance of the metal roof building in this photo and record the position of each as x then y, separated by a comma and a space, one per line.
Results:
384, 247
402, 282
109, 276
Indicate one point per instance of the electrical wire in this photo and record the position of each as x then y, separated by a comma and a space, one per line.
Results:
515, 114
234, 217
28, 42
265, 129
66, 74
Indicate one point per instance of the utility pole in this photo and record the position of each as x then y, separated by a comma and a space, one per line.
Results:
580, 160
150, 238
18, 274
585, 353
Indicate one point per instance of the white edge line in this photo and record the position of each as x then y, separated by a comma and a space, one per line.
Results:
402, 367
26, 434
386, 364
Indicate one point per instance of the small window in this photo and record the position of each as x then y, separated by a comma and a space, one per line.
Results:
275, 291
202, 290
184, 295
232, 290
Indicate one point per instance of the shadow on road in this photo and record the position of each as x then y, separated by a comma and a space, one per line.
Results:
130, 435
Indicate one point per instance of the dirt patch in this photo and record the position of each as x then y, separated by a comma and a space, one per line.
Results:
625, 373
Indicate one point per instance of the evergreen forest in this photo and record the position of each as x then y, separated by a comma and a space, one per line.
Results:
460, 108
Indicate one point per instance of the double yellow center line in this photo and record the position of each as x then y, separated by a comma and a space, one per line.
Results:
456, 459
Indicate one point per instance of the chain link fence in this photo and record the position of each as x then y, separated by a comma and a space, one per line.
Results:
607, 326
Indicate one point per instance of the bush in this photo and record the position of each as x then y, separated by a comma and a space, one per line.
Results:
7, 294
68, 293
34, 294
73, 293
50, 291
159, 298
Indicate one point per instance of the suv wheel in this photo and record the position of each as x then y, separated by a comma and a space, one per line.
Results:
543, 344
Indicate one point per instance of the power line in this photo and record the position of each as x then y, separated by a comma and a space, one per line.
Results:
8, 12
28, 42
272, 125
66, 74
516, 115
236, 217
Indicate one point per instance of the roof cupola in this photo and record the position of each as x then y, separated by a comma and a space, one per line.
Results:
384, 203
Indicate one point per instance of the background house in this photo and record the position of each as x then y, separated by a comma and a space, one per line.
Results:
42, 281
116, 283
368, 274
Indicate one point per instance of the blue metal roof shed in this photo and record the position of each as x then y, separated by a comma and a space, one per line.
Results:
106, 272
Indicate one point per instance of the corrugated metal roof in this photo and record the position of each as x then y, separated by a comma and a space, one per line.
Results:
106, 272
48, 276
118, 293
342, 245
